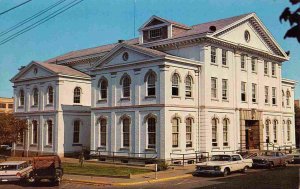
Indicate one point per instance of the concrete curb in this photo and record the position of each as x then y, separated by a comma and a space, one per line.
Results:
127, 183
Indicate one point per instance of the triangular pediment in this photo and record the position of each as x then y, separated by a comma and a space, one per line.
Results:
154, 21
259, 37
126, 54
32, 71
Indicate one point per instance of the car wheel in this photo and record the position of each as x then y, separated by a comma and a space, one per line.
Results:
226, 172
271, 165
245, 169
285, 164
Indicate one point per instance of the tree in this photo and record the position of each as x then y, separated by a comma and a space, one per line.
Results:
10, 128
294, 19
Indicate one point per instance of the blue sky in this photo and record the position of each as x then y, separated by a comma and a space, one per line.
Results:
97, 22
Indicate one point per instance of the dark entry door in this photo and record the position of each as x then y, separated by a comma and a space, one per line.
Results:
252, 134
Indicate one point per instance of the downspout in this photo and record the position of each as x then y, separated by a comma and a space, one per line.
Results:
198, 138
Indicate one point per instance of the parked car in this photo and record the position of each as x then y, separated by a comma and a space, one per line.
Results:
270, 159
46, 168
296, 156
223, 165
14, 171
5, 147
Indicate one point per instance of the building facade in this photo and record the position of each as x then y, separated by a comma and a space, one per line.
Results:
6, 105
178, 89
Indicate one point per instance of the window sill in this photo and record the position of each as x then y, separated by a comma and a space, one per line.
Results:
102, 100
267, 104
254, 102
244, 70
34, 106
190, 149
267, 75
225, 100
288, 107
77, 105
150, 150
274, 104
176, 149
274, 76
76, 144
33, 145
20, 107
101, 148
213, 64
150, 97
49, 105
244, 102
191, 98
226, 147
176, 97
125, 98
216, 148
124, 149
48, 146
254, 72
225, 66
215, 99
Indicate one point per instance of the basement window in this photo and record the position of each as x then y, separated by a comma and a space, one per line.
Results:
156, 33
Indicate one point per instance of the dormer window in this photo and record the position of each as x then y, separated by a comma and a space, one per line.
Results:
155, 33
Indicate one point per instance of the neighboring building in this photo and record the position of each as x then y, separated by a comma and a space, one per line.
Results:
297, 122
6, 105
176, 89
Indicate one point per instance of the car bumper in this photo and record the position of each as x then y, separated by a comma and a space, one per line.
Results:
207, 172
296, 161
9, 178
258, 165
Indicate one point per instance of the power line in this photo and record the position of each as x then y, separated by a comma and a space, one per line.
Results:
43, 20
15, 7
30, 18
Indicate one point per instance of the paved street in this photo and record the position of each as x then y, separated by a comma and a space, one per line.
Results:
285, 178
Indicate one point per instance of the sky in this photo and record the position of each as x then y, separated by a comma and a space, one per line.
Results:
97, 22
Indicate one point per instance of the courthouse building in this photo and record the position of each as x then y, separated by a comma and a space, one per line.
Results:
176, 89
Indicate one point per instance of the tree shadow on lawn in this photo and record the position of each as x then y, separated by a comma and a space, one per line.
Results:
277, 178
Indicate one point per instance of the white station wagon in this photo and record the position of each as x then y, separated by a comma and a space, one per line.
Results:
14, 171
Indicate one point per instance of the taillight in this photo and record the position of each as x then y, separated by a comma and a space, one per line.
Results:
18, 174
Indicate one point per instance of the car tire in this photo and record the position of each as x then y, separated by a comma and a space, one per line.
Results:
245, 169
285, 163
226, 172
271, 165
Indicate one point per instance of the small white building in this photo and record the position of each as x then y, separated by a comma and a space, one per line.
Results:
177, 89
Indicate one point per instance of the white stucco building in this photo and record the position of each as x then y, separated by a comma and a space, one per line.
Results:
176, 89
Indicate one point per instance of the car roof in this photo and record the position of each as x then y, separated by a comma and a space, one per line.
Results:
226, 154
12, 162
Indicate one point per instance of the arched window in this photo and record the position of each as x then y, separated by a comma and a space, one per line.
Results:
225, 132
35, 96
275, 130
49, 132
283, 98
175, 84
188, 86
175, 132
22, 98
283, 131
288, 95
188, 132
214, 127
77, 93
267, 129
151, 84
289, 130
103, 89
76, 131
34, 132
126, 86
50, 95
103, 131
126, 132
151, 132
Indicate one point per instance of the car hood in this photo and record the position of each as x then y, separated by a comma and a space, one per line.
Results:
263, 157
213, 163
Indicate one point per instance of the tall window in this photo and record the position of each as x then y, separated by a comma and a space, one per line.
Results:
268, 129
254, 92
253, 64
214, 87
214, 132
34, 132
225, 132
175, 85
126, 86
77, 93
266, 68
266, 95
22, 98
282, 100
274, 96
35, 96
103, 131
50, 95
224, 89
213, 54
273, 69
151, 84
49, 132
243, 91
243, 60
103, 89
288, 95
175, 132
20, 137
283, 132
224, 57
289, 130
275, 130
76, 131
126, 132
151, 133
188, 86
188, 132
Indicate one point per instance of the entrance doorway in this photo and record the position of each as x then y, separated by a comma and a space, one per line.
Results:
252, 134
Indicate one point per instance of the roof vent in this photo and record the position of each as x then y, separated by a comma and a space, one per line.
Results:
120, 41
212, 28
21, 68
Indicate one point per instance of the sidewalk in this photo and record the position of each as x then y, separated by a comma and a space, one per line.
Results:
171, 174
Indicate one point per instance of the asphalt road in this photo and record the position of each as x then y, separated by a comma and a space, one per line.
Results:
277, 178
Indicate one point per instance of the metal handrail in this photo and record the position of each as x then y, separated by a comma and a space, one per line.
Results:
197, 156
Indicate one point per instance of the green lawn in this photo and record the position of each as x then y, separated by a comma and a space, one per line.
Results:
94, 169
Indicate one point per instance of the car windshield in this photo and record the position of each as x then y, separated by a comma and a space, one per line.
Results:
269, 154
220, 158
8, 167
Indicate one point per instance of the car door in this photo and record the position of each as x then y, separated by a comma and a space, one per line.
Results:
236, 162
